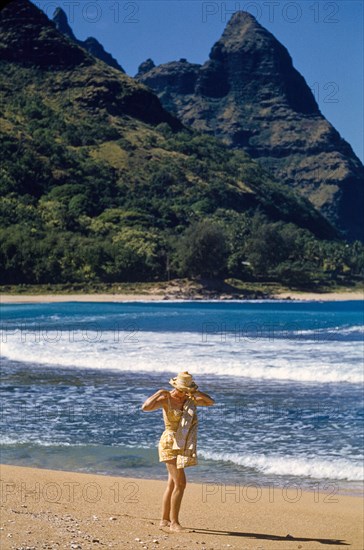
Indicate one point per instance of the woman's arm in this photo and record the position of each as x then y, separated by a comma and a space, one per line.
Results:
155, 401
202, 399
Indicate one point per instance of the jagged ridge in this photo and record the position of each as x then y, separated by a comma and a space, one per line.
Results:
92, 45
29, 38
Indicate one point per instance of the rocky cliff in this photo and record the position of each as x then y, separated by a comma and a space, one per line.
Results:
250, 95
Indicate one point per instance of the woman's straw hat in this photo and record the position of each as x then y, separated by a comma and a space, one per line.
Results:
184, 382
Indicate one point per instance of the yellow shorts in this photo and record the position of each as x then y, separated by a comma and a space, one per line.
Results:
165, 450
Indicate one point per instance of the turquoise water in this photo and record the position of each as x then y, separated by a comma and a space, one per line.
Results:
287, 378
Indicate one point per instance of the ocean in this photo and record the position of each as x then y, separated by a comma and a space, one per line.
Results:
286, 376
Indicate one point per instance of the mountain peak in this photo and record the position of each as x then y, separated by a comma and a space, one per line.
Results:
91, 44
241, 23
250, 54
146, 66
243, 32
61, 22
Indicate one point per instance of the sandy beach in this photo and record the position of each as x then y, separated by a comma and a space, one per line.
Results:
55, 509
325, 297
150, 297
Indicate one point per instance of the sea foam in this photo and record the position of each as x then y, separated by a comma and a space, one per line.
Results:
330, 468
279, 359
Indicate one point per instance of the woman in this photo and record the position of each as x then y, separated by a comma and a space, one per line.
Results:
177, 445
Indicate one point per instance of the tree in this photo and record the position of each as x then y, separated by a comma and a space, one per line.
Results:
265, 248
202, 250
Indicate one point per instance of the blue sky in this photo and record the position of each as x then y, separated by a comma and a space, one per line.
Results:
324, 38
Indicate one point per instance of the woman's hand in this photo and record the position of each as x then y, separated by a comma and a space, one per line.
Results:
203, 399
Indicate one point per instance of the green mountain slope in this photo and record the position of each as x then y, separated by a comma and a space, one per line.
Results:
99, 182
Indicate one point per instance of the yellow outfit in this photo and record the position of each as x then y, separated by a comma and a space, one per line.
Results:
179, 439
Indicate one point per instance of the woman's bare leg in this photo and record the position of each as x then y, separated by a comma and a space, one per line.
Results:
166, 503
179, 479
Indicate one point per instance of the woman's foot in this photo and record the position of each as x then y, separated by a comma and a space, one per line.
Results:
164, 523
176, 527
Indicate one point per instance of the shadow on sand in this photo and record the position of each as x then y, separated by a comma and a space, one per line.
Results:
262, 536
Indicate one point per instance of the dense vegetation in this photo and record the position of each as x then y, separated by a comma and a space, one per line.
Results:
88, 197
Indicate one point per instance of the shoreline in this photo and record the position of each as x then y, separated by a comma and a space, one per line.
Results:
57, 509
154, 297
